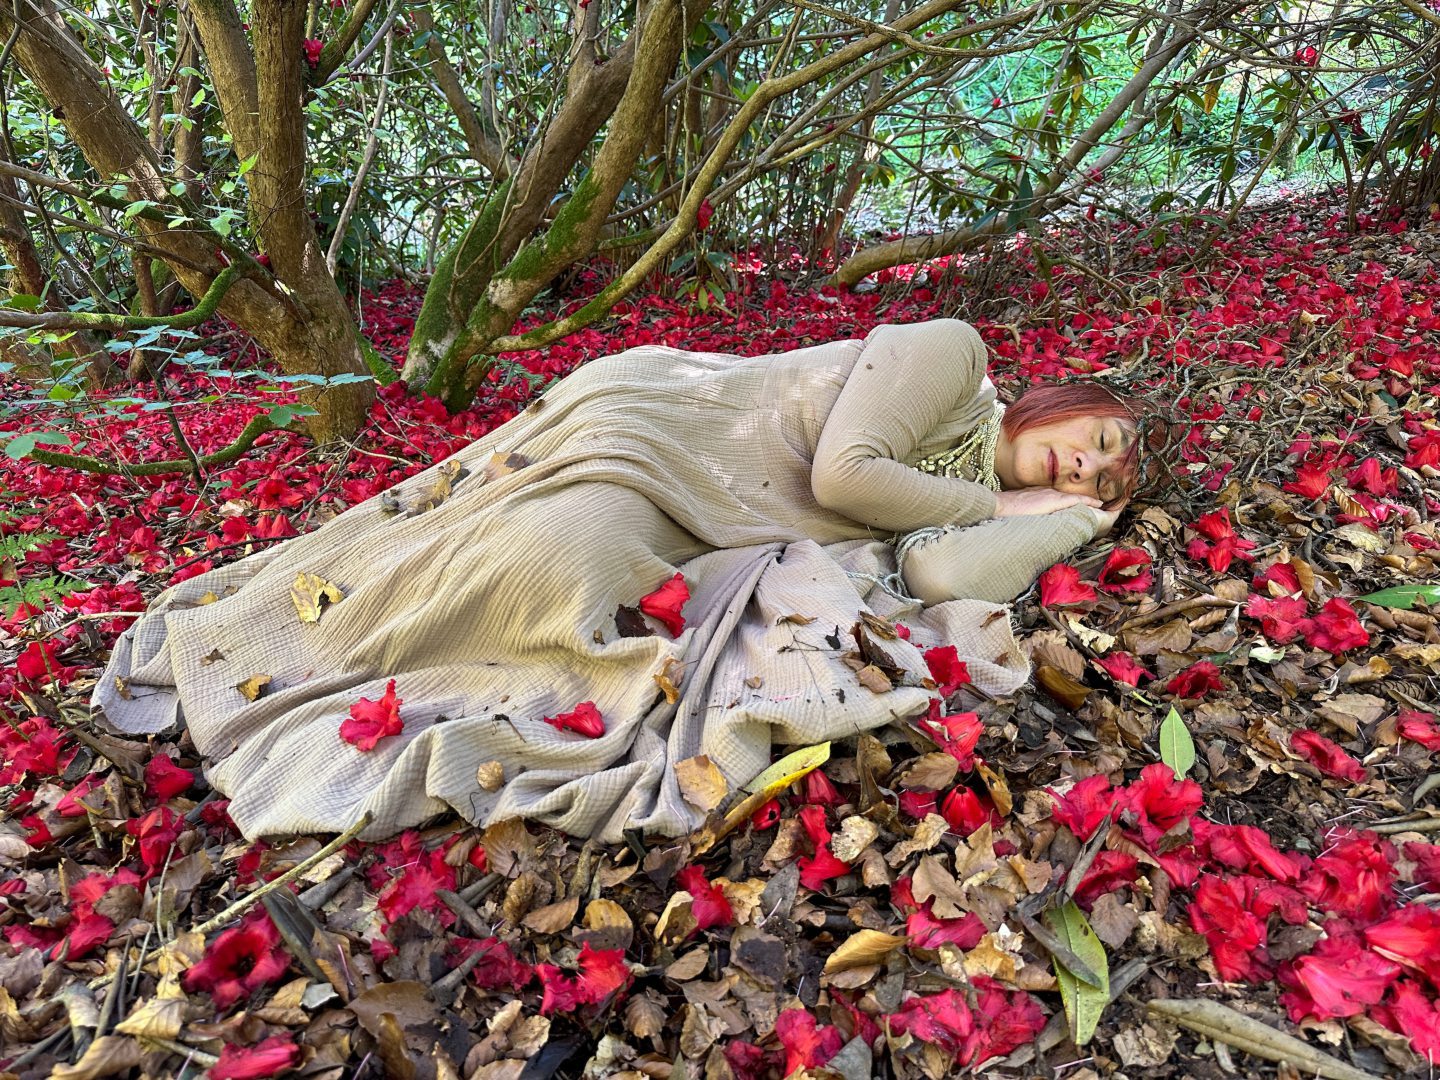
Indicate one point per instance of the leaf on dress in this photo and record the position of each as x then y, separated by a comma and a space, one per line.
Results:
445, 478
312, 594
702, 784
252, 687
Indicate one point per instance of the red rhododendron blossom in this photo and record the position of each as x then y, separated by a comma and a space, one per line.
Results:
498, 967
272, 1057
1196, 681
371, 721
1426, 858
164, 779
1410, 937
1412, 1013
1226, 546
1085, 806
313, 48
965, 811
1281, 618
1418, 727
957, 735
768, 816
703, 213
1061, 585
946, 1020
1327, 757
584, 719
1236, 935
928, 931
1339, 978
559, 992
666, 602
415, 885
1278, 578
155, 833
818, 788
821, 867
604, 975
70, 804
1247, 848
240, 961
1159, 801
1124, 668
1309, 56
36, 663
1369, 477
947, 669
1127, 570
1111, 870
708, 902
919, 804
1354, 878
1336, 628
808, 1045
1311, 482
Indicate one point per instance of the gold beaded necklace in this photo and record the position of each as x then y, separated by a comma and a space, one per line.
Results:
975, 453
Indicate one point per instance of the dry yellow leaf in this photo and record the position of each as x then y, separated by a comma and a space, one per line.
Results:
311, 594
856, 834
504, 464
701, 783
158, 1018
552, 918
862, 948
252, 686
668, 683
872, 678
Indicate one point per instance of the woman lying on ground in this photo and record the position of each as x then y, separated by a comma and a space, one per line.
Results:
673, 562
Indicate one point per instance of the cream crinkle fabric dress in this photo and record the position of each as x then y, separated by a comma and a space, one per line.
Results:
770, 482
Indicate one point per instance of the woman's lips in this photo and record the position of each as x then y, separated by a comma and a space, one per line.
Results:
1054, 467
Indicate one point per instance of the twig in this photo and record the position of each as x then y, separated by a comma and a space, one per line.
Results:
249, 899
1180, 607
464, 912
1220, 1023
187, 1052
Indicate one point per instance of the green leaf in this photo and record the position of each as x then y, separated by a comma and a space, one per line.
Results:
1177, 748
1084, 1004
23, 302
21, 445
1403, 596
248, 164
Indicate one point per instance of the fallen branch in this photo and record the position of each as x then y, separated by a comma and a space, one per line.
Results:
239, 907
1220, 1023
257, 426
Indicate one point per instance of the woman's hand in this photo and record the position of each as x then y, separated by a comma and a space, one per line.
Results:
1106, 519
1043, 500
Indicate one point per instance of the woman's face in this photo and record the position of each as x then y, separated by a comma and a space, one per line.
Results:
1081, 456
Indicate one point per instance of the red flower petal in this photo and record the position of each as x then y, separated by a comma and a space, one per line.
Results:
1326, 756
272, 1057
584, 719
1127, 570
164, 779
708, 902
1061, 585
371, 721
947, 669
1124, 668
1196, 681
666, 602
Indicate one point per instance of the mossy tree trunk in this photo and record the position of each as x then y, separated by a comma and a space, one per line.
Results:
482, 284
295, 311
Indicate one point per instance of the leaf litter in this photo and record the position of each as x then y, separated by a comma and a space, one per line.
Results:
1202, 841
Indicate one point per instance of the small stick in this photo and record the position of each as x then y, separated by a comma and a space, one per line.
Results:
249, 899
473, 894
1220, 1023
187, 1052
43, 1046
464, 912
1180, 607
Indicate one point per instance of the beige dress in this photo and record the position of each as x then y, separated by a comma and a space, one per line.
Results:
771, 483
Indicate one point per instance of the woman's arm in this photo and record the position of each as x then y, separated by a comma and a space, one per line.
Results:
906, 380
996, 560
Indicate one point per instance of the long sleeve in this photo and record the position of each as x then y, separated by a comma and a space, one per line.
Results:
995, 560
905, 381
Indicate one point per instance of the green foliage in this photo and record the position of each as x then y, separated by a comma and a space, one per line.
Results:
15, 547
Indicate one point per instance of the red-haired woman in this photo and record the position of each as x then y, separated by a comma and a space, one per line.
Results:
669, 554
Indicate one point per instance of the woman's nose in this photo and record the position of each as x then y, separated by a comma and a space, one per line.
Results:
1083, 467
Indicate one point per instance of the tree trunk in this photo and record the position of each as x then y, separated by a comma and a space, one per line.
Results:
306, 326
655, 46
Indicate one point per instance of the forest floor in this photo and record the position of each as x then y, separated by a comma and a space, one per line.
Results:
903, 910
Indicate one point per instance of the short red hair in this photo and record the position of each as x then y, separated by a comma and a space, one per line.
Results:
1058, 402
